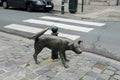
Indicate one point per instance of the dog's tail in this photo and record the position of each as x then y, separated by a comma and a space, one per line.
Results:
36, 36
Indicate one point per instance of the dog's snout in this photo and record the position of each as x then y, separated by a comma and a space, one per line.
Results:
80, 52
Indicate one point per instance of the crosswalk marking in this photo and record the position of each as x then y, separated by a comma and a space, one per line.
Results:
56, 21
60, 25
73, 21
36, 30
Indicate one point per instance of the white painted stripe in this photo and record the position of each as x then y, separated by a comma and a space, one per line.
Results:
36, 30
60, 25
73, 21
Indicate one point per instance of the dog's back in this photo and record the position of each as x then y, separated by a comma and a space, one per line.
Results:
53, 42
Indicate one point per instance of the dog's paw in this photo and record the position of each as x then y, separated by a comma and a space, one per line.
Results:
67, 60
37, 62
66, 66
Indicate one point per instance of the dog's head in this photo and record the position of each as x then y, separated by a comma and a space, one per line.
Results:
76, 47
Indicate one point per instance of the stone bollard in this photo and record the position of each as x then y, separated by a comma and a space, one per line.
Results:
55, 33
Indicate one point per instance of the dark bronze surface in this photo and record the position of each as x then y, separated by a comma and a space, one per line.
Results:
55, 43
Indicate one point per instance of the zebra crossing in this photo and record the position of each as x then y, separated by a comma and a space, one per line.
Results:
59, 22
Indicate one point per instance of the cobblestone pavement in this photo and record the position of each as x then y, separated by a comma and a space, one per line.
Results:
16, 63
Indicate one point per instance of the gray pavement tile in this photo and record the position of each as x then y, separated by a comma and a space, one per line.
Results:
104, 76
88, 78
65, 76
50, 74
55, 78
41, 72
1, 77
117, 77
99, 78
111, 68
118, 72
113, 78
96, 70
2, 71
31, 76
43, 78
24, 79
92, 74
109, 72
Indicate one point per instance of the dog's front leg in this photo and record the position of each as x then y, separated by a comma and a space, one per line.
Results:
65, 57
63, 60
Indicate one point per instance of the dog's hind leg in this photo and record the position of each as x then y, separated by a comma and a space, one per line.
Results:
38, 49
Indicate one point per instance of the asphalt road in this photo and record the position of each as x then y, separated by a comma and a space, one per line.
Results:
99, 37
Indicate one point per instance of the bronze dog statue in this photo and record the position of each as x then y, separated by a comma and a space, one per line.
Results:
56, 43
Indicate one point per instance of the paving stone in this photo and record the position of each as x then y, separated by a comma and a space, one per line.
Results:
92, 74
4, 46
24, 79
111, 68
112, 78
117, 66
19, 62
117, 77
27, 71
80, 73
55, 78
31, 76
2, 71
65, 76
50, 74
85, 68
109, 72
99, 78
104, 76
19, 75
1, 77
11, 78
3, 58
96, 70
88, 78
45, 56
43, 78
41, 72
118, 72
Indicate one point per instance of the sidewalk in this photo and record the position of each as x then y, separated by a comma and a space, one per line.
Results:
16, 63
109, 13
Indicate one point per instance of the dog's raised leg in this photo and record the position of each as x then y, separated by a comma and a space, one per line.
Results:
63, 60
